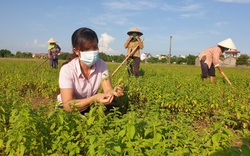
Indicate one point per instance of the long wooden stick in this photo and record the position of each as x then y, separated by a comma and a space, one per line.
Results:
40, 64
125, 60
223, 74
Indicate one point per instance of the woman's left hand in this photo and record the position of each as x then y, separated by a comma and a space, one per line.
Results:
118, 91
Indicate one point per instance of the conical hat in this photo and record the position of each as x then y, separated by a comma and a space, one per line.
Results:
228, 43
51, 40
134, 30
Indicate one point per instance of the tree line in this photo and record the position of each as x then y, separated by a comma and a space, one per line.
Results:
243, 59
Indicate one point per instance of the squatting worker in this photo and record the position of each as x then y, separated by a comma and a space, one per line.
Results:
209, 58
134, 42
82, 75
53, 51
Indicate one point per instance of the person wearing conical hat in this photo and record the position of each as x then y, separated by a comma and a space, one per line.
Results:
209, 58
133, 45
53, 50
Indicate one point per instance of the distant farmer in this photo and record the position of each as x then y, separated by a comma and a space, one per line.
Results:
209, 58
134, 44
53, 51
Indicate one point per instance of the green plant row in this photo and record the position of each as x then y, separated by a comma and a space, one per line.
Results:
166, 111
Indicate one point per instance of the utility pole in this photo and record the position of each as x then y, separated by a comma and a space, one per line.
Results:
170, 46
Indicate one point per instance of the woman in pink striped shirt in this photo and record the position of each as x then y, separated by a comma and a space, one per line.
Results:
81, 77
209, 58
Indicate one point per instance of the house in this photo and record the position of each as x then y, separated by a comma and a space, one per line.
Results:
40, 55
45, 55
232, 52
182, 56
228, 62
161, 56
145, 56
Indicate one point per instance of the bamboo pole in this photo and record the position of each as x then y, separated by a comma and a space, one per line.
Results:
40, 64
223, 74
126, 59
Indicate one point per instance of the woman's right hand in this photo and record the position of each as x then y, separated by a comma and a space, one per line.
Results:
130, 38
104, 98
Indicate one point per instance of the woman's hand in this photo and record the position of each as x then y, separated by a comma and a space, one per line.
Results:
138, 38
104, 98
118, 91
220, 70
130, 38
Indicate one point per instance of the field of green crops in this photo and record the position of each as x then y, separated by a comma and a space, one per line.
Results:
166, 111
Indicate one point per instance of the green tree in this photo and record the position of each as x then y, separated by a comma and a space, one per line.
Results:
174, 59
115, 58
163, 60
242, 60
119, 58
103, 56
181, 60
5, 53
23, 54
152, 60
27, 55
64, 56
19, 54
191, 59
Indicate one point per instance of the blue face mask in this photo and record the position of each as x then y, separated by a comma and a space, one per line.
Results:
89, 57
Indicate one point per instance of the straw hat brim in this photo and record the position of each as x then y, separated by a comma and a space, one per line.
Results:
51, 40
131, 32
228, 43
135, 30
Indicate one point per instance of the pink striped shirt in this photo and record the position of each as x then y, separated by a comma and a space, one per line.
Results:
212, 56
71, 77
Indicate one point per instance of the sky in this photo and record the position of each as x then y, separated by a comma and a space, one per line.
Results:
27, 25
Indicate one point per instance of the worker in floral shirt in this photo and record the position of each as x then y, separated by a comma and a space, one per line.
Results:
53, 51
209, 58
134, 42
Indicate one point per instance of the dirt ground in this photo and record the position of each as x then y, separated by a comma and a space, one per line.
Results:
40, 101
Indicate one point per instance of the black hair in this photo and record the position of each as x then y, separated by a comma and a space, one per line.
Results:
82, 39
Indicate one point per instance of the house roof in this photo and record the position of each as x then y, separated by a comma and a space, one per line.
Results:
232, 52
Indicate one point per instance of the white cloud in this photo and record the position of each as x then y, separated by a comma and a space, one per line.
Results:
220, 24
36, 46
235, 1
104, 42
106, 19
187, 10
184, 8
192, 15
191, 7
130, 5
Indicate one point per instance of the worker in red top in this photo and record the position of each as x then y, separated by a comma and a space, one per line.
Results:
209, 58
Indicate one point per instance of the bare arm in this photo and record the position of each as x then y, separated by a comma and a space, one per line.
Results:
81, 104
141, 46
220, 70
127, 42
59, 48
48, 53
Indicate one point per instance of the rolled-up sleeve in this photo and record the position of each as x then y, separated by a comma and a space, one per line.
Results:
141, 44
216, 56
65, 78
104, 69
